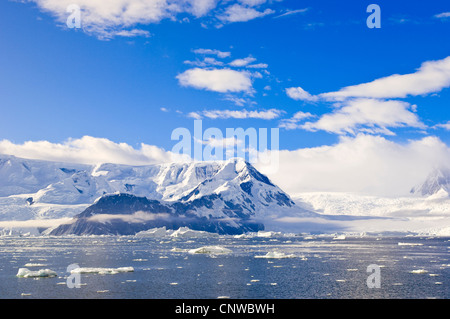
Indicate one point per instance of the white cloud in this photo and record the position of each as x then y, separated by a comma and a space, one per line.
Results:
258, 66
200, 8
137, 217
242, 62
237, 114
107, 18
89, 150
218, 53
293, 122
238, 13
431, 77
442, 15
363, 164
131, 33
206, 62
364, 108
297, 93
366, 115
445, 126
252, 3
217, 80
291, 12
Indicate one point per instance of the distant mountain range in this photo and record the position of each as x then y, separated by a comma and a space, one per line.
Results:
227, 197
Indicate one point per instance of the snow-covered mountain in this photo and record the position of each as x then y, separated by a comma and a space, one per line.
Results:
232, 190
437, 181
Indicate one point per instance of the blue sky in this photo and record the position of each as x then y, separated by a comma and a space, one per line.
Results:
137, 86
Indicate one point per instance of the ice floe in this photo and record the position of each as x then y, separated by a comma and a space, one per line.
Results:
26, 273
154, 232
275, 255
418, 271
410, 244
185, 232
101, 271
210, 250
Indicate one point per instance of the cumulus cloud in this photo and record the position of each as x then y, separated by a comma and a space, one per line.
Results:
107, 19
239, 13
431, 77
299, 94
217, 80
363, 164
89, 150
366, 115
366, 107
293, 122
218, 53
242, 62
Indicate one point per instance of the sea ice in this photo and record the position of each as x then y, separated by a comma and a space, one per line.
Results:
276, 255
185, 232
101, 271
26, 273
418, 271
210, 250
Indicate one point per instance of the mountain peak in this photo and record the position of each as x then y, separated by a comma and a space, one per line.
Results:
437, 180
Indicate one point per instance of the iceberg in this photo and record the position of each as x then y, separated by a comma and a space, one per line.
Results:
26, 273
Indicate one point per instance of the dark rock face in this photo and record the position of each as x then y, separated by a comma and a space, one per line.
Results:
109, 216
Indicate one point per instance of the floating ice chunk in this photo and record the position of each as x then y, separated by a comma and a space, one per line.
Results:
418, 271
26, 273
101, 271
339, 237
275, 254
154, 232
185, 232
210, 250
267, 234
34, 265
410, 244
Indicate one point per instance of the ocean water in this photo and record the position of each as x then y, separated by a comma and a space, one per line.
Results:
315, 267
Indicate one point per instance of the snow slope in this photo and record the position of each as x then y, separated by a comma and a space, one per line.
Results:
429, 215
